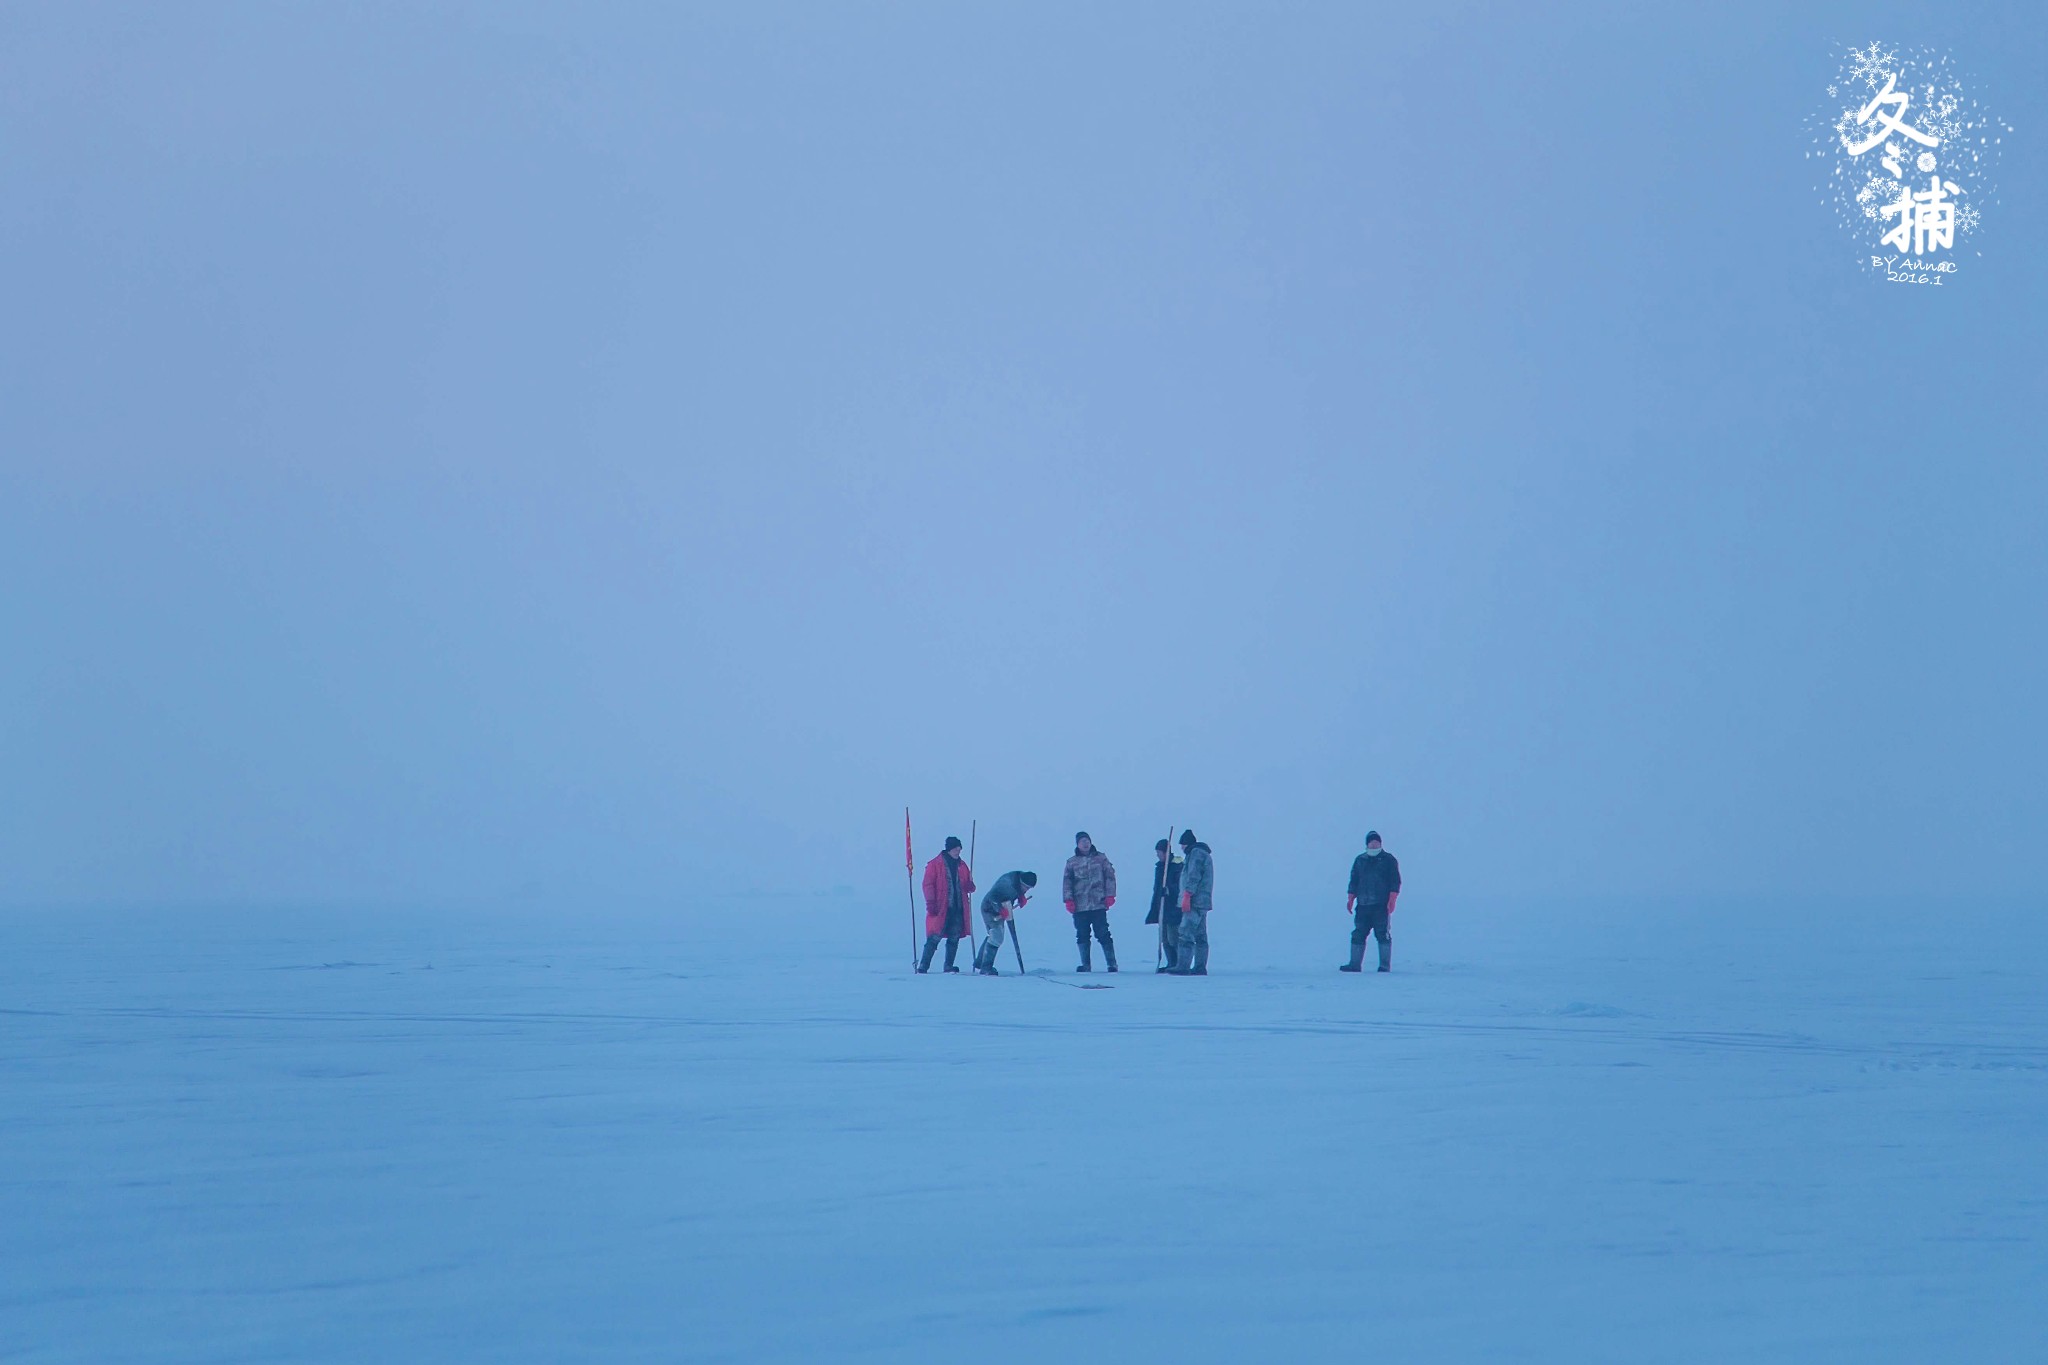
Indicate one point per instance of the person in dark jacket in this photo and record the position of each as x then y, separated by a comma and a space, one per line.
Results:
1011, 890
1375, 886
1165, 910
948, 887
1197, 899
1089, 889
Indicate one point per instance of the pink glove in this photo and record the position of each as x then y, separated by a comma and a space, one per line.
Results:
1109, 901
1392, 896
1187, 901
1070, 907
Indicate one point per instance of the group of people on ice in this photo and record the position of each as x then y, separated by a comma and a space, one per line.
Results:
1183, 894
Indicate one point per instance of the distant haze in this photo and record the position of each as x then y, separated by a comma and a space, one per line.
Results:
487, 451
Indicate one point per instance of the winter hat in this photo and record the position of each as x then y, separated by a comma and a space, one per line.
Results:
952, 842
1161, 846
1187, 838
1029, 879
1372, 836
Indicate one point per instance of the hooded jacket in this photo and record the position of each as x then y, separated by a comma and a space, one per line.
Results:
1088, 883
936, 893
1198, 878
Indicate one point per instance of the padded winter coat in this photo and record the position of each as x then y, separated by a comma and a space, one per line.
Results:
1198, 878
1009, 889
1089, 882
1165, 888
935, 895
1374, 878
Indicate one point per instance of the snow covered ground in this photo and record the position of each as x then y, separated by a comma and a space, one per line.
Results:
747, 1133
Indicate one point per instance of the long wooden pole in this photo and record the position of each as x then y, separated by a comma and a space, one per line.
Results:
910, 886
967, 911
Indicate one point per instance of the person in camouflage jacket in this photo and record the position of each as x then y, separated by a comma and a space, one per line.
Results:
1089, 889
1197, 898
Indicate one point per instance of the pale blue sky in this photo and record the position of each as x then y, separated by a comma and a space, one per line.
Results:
466, 451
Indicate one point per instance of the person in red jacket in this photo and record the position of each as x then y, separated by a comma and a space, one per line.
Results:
948, 883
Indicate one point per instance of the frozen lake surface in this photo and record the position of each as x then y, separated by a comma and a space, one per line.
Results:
747, 1133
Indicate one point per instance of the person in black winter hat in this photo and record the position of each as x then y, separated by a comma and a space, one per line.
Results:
1089, 888
1375, 886
1165, 910
1011, 890
948, 888
1197, 899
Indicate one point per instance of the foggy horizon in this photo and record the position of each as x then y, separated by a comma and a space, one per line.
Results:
485, 454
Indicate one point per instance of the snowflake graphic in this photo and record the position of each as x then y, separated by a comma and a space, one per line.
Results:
1877, 191
1871, 65
1940, 116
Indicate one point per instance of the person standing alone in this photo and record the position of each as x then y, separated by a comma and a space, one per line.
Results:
1197, 899
1089, 889
1375, 886
1166, 902
948, 882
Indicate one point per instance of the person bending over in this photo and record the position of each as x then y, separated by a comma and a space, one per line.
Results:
1011, 890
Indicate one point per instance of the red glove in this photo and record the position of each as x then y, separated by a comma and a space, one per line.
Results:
1392, 896
1187, 901
1006, 912
1350, 904
1108, 902
1070, 907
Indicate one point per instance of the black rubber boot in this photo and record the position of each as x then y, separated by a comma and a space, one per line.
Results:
1087, 965
931, 945
1201, 960
1386, 954
1171, 954
1357, 959
1109, 953
952, 951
